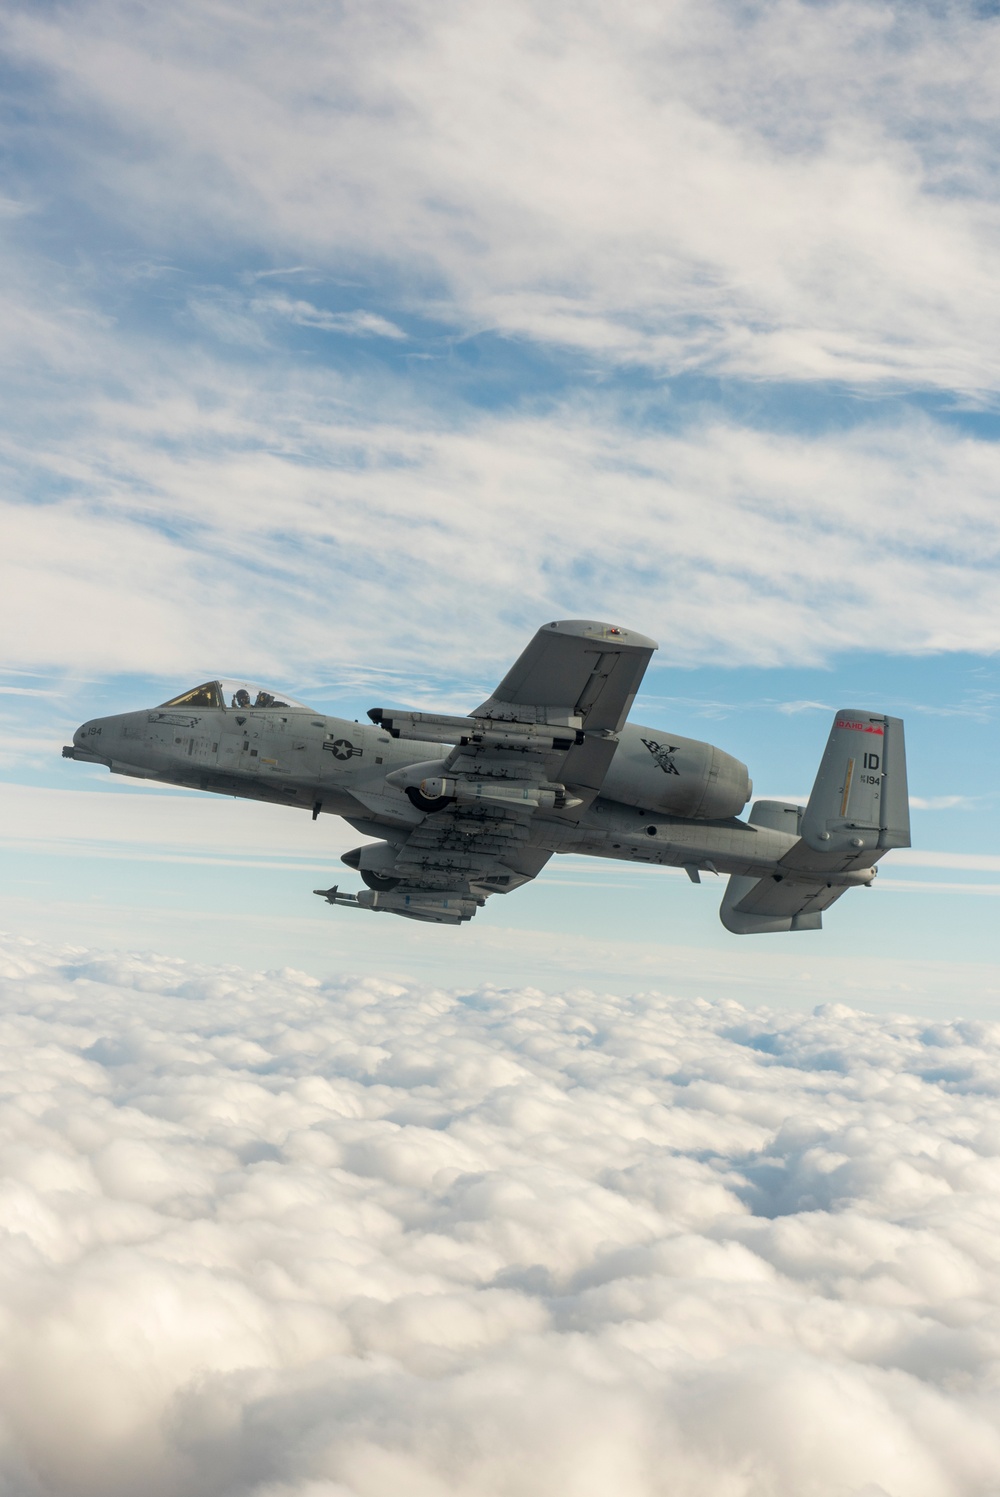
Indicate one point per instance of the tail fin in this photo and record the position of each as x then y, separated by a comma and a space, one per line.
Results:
858, 809
860, 801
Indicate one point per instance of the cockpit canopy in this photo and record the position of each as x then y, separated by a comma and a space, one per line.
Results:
227, 694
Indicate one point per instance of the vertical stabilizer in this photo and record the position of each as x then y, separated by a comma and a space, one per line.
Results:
860, 800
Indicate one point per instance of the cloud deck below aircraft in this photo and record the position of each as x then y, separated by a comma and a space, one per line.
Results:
269, 1235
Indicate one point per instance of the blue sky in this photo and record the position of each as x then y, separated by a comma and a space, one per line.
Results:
344, 346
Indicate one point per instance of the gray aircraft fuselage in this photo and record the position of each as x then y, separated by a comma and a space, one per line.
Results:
666, 799
462, 807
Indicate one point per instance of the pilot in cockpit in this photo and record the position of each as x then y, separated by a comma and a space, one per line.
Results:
242, 698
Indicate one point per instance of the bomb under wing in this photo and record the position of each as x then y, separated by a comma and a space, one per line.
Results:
457, 808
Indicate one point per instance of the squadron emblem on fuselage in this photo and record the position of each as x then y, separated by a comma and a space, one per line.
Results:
664, 755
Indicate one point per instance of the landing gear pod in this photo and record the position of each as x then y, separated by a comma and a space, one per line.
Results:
375, 863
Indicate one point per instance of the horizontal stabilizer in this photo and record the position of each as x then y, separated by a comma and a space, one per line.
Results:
755, 906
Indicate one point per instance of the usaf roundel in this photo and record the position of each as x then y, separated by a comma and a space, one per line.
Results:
342, 748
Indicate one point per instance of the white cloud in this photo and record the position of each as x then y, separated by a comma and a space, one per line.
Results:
928, 886
167, 825
782, 191
940, 802
790, 709
235, 318
626, 183
265, 1234
357, 324
969, 862
927, 858
300, 517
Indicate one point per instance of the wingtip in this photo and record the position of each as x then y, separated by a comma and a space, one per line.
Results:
595, 629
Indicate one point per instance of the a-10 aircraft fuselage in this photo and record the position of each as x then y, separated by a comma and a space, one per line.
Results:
466, 807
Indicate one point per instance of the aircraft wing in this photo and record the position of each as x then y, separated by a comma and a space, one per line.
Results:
474, 853
535, 750
475, 837
586, 674
448, 865
575, 668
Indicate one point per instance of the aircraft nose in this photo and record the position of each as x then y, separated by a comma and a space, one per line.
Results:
96, 734
95, 741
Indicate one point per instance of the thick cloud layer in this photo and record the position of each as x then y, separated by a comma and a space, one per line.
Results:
263, 1234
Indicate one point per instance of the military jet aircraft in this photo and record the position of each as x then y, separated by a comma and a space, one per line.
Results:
464, 807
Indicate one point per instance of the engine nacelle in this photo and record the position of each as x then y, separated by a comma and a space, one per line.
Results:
659, 771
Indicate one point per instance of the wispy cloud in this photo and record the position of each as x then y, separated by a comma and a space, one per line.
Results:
790, 709
941, 886
250, 321
166, 824
616, 182
635, 195
176, 506
357, 324
918, 857
941, 802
